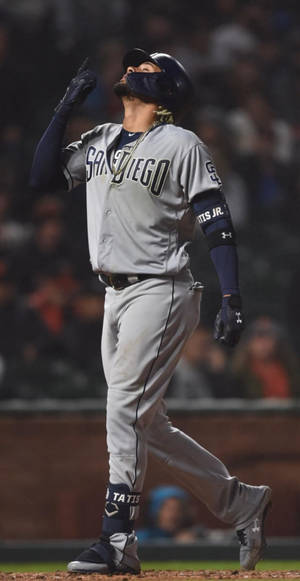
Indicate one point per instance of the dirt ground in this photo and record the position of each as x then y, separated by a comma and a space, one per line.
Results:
152, 575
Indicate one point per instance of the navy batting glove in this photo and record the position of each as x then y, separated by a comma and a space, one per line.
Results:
80, 86
229, 322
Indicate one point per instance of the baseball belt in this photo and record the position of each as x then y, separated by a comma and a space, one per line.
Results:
119, 281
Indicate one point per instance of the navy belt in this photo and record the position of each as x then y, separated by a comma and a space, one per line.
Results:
120, 281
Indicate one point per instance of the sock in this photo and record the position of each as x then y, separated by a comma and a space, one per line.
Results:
121, 509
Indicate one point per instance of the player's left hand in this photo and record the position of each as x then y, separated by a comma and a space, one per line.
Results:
229, 322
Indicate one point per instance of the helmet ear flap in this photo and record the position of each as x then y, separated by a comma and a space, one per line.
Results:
165, 83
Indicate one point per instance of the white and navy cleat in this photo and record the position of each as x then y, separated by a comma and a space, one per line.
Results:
252, 538
114, 555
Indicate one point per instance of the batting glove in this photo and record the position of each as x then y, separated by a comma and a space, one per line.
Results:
80, 86
229, 322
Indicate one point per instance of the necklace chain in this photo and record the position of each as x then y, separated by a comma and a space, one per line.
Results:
123, 166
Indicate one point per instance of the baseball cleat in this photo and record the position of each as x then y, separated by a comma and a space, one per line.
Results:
108, 556
251, 537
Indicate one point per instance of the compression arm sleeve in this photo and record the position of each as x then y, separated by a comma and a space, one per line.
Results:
46, 172
226, 264
214, 216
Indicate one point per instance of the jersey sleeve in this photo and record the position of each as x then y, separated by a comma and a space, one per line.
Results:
73, 164
198, 173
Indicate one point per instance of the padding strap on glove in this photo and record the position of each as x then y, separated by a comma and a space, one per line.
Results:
80, 86
229, 322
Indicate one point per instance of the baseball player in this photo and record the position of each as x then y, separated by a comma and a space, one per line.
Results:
147, 183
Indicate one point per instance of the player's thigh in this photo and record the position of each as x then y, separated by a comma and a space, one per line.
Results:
155, 322
159, 317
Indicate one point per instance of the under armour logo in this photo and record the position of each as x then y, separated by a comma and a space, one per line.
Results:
238, 317
224, 235
256, 527
111, 508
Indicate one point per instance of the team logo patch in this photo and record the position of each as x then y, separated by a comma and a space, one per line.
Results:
256, 527
111, 508
238, 318
213, 173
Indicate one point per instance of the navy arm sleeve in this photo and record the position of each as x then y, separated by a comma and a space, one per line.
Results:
46, 172
214, 216
226, 264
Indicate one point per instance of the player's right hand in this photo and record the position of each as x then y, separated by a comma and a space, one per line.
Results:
230, 321
80, 86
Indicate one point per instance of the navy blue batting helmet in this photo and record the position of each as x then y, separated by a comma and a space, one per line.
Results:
172, 87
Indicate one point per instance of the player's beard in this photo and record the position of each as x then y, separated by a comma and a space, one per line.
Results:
121, 89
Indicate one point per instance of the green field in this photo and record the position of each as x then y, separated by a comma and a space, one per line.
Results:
171, 565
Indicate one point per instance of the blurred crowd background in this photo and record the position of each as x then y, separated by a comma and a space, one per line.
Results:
244, 58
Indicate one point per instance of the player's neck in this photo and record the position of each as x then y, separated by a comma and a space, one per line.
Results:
138, 116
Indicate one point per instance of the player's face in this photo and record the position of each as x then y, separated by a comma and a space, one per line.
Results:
121, 89
146, 67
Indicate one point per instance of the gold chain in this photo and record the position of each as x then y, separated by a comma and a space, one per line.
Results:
129, 157
164, 116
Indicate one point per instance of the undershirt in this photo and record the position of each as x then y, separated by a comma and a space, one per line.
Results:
127, 137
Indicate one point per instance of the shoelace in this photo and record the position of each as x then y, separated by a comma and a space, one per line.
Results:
242, 537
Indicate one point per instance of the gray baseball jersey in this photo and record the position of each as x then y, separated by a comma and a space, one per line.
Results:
139, 220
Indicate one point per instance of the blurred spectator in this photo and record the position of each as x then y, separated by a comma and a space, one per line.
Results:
202, 370
264, 363
243, 78
45, 252
9, 318
263, 148
272, 63
255, 121
194, 50
82, 336
47, 206
281, 64
48, 303
212, 129
34, 348
233, 38
170, 516
23, 342
12, 233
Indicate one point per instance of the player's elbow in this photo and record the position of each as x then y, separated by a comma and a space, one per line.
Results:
37, 179
39, 182
36, 184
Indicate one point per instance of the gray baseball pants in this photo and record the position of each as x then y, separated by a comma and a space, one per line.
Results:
145, 328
